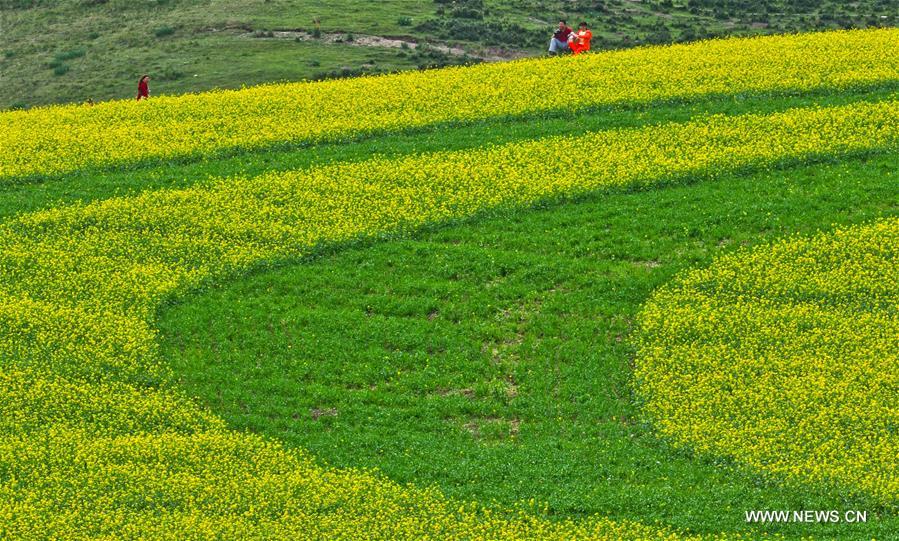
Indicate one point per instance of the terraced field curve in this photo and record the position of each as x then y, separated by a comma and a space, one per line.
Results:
97, 437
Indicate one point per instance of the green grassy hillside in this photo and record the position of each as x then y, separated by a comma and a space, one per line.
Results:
74, 50
432, 329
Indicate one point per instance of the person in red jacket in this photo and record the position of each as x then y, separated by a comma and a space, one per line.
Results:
143, 88
580, 41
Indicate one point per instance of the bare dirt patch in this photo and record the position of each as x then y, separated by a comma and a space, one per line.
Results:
317, 413
387, 42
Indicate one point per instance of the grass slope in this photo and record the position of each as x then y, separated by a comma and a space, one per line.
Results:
73, 50
492, 358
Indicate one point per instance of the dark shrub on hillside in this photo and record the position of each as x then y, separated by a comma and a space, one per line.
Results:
163, 31
70, 54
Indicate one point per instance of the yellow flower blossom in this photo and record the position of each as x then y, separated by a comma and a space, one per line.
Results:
785, 357
60, 139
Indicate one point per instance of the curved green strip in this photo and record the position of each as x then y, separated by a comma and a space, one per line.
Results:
492, 358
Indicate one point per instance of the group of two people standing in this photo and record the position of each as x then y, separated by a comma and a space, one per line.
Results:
567, 39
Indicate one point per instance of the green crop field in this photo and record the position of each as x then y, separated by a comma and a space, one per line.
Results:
491, 358
417, 306
75, 50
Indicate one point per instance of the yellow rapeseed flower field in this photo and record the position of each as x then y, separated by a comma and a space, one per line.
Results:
784, 357
97, 439
60, 139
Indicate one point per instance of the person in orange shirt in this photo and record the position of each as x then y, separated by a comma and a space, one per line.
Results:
580, 41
